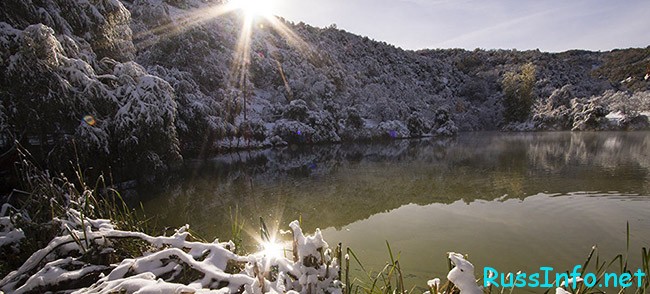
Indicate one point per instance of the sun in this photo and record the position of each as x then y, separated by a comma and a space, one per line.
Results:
254, 8
272, 249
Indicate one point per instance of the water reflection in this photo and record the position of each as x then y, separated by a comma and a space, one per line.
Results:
359, 187
335, 185
509, 235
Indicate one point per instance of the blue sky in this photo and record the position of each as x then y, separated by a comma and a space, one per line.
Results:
548, 25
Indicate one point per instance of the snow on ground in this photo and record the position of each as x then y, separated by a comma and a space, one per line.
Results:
207, 267
615, 116
9, 234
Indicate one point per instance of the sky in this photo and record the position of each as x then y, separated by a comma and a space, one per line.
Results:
548, 25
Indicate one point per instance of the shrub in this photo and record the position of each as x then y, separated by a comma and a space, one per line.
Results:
518, 90
297, 110
416, 125
252, 130
354, 119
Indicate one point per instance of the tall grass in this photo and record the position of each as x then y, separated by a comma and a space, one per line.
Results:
43, 199
619, 264
390, 279
46, 197
236, 229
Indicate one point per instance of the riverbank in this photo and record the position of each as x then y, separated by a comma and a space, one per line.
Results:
59, 236
443, 178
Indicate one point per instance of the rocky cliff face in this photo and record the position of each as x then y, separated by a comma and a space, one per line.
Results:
142, 81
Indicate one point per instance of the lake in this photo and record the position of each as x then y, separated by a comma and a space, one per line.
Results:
512, 201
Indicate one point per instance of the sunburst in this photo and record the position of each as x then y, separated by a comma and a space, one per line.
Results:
257, 12
254, 8
253, 13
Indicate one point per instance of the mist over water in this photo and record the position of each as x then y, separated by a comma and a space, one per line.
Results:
513, 201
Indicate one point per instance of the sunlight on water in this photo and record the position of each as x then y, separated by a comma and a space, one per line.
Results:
509, 201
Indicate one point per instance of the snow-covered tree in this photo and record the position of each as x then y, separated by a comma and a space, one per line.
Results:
144, 123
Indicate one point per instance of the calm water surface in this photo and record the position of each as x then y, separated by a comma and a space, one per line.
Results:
510, 201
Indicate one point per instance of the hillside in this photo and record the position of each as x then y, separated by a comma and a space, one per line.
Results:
143, 82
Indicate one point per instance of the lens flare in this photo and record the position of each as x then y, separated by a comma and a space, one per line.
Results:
89, 120
254, 14
272, 249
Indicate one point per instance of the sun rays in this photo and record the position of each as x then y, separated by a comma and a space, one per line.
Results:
249, 16
254, 8
258, 12
253, 14
270, 241
236, 28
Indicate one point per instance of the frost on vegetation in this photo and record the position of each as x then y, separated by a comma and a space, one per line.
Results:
76, 261
147, 112
104, 25
565, 110
180, 92
199, 116
393, 129
300, 125
10, 235
100, 105
461, 278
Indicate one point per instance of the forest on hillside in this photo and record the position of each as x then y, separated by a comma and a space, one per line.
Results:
145, 82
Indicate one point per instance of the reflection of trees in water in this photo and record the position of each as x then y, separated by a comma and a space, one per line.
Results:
603, 149
565, 162
616, 158
335, 185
